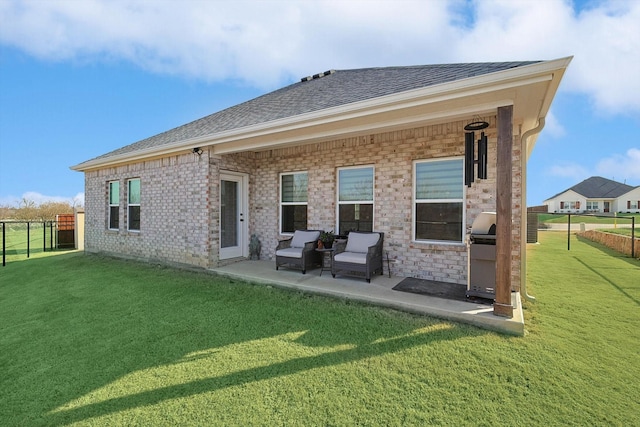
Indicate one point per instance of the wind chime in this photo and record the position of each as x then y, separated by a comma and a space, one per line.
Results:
470, 159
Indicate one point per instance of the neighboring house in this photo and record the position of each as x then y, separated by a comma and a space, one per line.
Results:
629, 202
596, 195
368, 149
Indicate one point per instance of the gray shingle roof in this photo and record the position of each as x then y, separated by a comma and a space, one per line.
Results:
598, 187
339, 88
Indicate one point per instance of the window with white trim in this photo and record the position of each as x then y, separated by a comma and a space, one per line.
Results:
355, 199
133, 204
568, 205
592, 206
293, 201
114, 205
438, 212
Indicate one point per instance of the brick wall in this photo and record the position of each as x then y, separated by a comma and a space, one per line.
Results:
392, 154
174, 225
616, 242
179, 199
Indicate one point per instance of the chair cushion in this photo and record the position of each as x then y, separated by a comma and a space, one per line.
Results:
360, 242
351, 257
302, 237
290, 252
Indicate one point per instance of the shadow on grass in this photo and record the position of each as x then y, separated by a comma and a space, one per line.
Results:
634, 263
608, 280
607, 250
21, 254
262, 373
17, 254
74, 323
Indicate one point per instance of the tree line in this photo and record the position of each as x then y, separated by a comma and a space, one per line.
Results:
28, 210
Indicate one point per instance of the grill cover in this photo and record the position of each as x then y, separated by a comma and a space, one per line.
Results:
485, 223
481, 275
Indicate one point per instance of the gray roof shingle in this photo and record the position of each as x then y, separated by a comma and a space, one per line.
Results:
339, 88
598, 187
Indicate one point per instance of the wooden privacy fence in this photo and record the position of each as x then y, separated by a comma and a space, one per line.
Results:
532, 222
23, 238
66, 227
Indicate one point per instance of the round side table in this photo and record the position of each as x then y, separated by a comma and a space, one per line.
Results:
326, 259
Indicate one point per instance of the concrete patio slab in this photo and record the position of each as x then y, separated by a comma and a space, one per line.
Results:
378, 292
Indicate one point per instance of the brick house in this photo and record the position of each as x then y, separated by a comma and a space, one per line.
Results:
371, 149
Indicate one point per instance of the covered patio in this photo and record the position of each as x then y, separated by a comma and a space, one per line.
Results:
379, 292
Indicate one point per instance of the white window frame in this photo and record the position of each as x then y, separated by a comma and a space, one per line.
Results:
129, 204
282, 203
112, 205
593, 206
372, 202
415, 201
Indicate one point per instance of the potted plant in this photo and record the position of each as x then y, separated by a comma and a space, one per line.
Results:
327, 238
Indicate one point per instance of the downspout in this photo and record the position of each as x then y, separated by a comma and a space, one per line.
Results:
524, 153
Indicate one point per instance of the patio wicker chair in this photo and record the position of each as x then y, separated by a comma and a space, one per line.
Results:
360, 254
299, 250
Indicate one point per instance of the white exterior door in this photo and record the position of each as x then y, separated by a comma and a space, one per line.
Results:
234, 221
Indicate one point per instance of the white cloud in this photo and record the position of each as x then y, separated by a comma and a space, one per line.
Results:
604, 40
553, 126
570, 170
621, 168
607, 63
38, 199
266, 43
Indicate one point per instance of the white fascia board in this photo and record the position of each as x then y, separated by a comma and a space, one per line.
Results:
459, 89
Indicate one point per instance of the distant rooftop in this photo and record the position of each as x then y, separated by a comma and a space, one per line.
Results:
598, 187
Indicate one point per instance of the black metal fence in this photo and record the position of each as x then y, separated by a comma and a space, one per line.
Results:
21, 239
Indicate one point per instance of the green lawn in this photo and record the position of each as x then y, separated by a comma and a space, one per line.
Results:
87, 340
576, 219
16, 239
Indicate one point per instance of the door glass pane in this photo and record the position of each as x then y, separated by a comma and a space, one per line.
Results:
228, 214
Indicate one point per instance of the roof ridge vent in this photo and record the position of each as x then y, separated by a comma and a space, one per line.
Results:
317, 76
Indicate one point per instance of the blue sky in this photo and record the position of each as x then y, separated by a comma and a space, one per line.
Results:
81, 78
